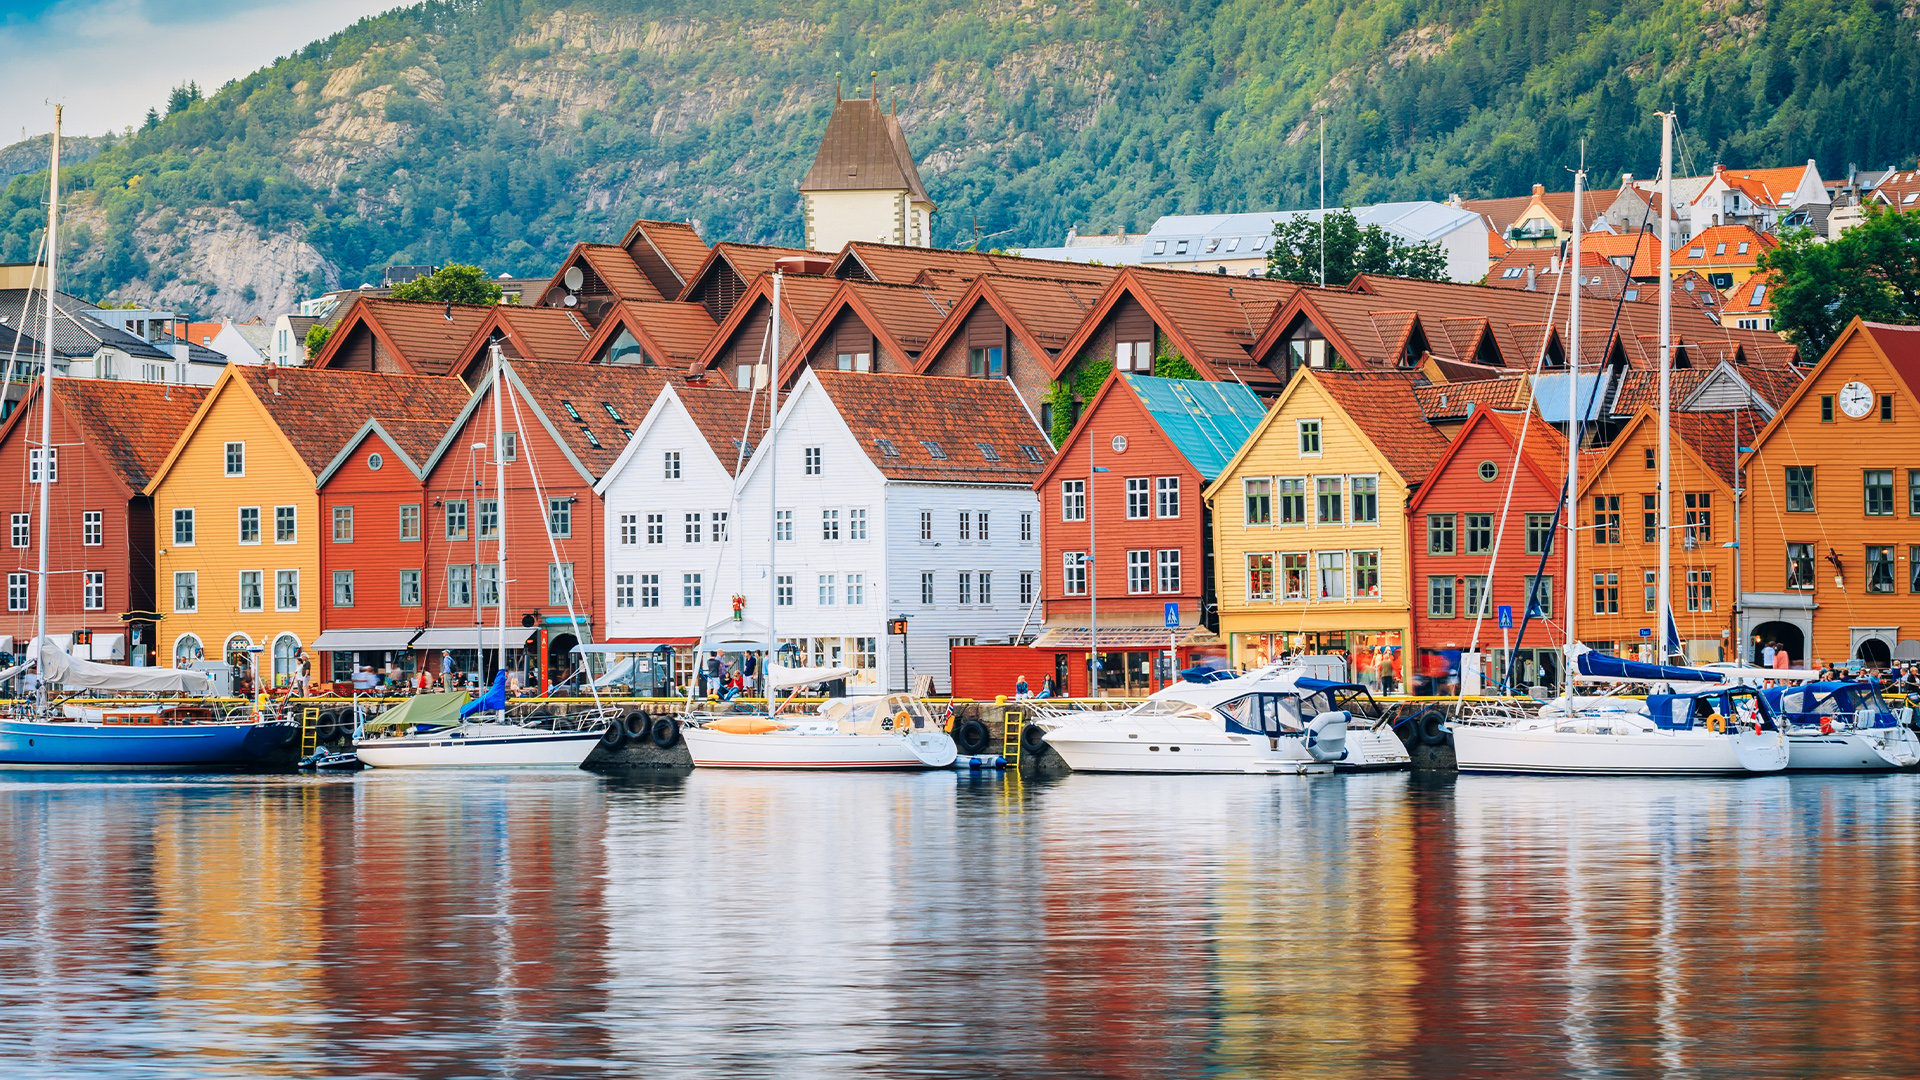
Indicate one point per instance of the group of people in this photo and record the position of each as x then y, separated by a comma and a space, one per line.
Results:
1047, 689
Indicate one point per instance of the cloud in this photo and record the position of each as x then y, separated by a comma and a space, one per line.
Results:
109, 61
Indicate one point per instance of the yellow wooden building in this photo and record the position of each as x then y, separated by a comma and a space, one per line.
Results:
1309, 524
236, 516
1831, 557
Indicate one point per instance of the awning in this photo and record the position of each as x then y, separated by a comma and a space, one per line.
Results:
618, 647
1124, 637
463, 637
358, 640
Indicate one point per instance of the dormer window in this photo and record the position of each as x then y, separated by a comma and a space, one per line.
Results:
1159, 247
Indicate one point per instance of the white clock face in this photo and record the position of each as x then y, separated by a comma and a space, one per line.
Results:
1856, 399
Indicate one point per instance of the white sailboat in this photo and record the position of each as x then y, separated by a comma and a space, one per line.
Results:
1713, 727
1277, 719
479, 734
1844, 726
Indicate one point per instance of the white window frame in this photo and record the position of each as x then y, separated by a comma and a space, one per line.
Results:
93, 590
93, 528
260, 590
236, 459
183, 515
278, 580
293, 519
191, 579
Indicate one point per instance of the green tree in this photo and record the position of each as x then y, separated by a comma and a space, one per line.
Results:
1349, 250
317, 336
455, 284
1872, 270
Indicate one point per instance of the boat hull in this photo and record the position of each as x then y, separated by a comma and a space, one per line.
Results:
1872, 750
797, 750
88, 745
1175, 746
1542, 749
525, 748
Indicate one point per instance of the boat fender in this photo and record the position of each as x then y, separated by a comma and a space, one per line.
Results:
1327, 735
1033, 741
1826, 725
615, 736
972, 736
329, 720
638, 724
1432, 727
666, 732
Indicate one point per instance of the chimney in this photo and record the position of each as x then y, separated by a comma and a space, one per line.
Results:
1532, 285
1539, 189
1626, 179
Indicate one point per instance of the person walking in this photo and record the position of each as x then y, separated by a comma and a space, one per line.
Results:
1781, 661
447, 669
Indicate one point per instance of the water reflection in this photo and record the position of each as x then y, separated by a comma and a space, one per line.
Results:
741, 925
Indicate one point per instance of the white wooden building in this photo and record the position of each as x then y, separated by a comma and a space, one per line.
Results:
893, 495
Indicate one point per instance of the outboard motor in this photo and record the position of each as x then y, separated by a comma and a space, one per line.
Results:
1327, 735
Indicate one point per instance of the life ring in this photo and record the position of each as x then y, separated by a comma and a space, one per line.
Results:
1717, 724
1033, 741
903, 721
971, 736
615, 736
637, 724
666, 732
1431, 726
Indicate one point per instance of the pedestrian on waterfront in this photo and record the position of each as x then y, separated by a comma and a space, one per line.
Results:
1047, 689
30, 683
447, 669
1767, 653
302, 672
1020, 689
363, 680
1781, 661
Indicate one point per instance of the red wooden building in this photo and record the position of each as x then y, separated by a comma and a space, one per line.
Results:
1454, 523
1124, 533
109, 438
566, 425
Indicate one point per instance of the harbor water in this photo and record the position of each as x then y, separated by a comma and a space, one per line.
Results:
944, 925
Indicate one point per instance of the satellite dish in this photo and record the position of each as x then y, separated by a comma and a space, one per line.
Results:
571, 300
573, 277
554, 297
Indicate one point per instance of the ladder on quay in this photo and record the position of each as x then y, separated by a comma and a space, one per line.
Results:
309, 730
1012, 723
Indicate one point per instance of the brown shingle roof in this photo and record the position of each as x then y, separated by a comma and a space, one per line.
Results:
1712, 436
538, 333
679, 331
318, 411
133, 425
1457, 400
1382, 405
893, 410
617, 272
863, 149
726, 418
1545, 446
678, 243
1216, 318
427, 336
897, 264
596, 437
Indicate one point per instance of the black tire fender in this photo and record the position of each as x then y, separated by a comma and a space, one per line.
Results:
1033, 741
666, 732
637, 725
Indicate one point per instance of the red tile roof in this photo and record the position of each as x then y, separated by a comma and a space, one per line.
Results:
678, 243
1213, 320
1383, 406
1723, 246
676, 333
609, 270
802, 299
319, 411
1902, 346
1047, 311
597, 437
425, 337
1503, 213
535, 333
726, 418
1712, 436
1899, 189
1764, 187
133, 425
1743, 301
896, 264
1457, 400
998, 443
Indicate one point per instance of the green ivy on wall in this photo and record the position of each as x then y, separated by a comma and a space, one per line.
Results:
1083, 385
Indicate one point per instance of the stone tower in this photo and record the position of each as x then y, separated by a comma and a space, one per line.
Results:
863, 185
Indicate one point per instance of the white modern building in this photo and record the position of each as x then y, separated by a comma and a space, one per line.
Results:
876, 508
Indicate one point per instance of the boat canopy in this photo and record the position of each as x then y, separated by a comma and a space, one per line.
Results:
782, 677
58, 666
1599, 665
1849, 698
426, 710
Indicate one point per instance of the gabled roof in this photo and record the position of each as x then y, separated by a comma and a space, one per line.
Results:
673, 333
76, 330
1542, 453
411, 441
1743, 247
422, 337
1899, 189
677, 245
1764, 187
318, 411
903, 317
802, 298
1000, 442
1708, 438
1899, 346
727, 419
606, 269
132, 425
1043, 312
864, 149
1213, 320
590, 410
1503, 213
1750, 296
534, 333
898, 264
1382, 405
1457, 400
1207, 422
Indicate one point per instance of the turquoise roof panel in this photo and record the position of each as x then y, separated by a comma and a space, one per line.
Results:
1207, 422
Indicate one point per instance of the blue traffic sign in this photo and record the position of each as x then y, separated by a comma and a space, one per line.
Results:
1173, 616
1646, 631
1506, 616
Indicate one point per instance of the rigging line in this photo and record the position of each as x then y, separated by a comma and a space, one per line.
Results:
553, 547
26, 316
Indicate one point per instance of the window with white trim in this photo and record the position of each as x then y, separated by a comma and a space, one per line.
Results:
1140, 570
1073, 500
690, 590
1169, 570
183, 527
286, 590
1139, 504
1073, 568
93, 528
17, 592
560, 584
236, 459
186, 592
1166, 496
253, 595
409, 588
649, 590
93, 591
825, 590
623, 590
22, 530
629, 529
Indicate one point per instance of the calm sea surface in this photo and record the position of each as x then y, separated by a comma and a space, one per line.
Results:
740, 925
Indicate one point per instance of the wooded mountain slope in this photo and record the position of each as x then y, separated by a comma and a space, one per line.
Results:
500, 131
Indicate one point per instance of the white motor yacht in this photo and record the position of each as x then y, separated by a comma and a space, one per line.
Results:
879, 731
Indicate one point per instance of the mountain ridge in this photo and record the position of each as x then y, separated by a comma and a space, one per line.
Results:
500, 131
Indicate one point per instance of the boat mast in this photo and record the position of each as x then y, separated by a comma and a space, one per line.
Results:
1666, 366
773, 503
500, 513
1573, 433
46, 402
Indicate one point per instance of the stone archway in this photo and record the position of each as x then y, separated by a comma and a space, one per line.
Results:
1784, 634
1874, 653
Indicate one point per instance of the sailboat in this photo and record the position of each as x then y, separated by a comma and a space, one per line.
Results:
445, 731
165, 735
1693, 722
874, 731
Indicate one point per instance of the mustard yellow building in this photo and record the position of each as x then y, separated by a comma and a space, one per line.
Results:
236, 517
1309, 524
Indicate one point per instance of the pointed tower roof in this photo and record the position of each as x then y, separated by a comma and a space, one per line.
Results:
864, 150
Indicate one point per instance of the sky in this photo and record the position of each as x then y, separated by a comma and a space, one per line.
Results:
109, 61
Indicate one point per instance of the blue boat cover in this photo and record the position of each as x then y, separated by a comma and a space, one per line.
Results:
1306, 683
1602, 665
494, 700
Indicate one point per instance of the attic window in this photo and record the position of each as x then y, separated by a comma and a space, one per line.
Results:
1696, 253
1180, 248
933, 450
1511, 272
741, 446
1743, 247
572, 413
1720, 248
1759, 294
1159, 247
1909, 198
1633, 294
1032, 452
592, 440
613, 412
987, 451
886, 447
1233, 244
1213, 245
1260, 243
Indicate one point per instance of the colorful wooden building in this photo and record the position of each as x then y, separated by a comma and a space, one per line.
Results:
401, 337
1309, 524
109, 437
1125, 545
237, 512
1832, 507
